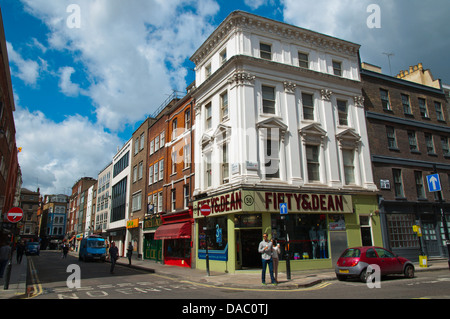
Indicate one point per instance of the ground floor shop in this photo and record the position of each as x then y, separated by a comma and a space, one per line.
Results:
313, 228
398, 219
152, 247
176, 236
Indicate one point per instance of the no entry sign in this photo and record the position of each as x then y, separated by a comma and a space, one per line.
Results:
14, 215
205, 210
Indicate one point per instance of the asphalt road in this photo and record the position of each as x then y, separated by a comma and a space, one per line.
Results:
50, 274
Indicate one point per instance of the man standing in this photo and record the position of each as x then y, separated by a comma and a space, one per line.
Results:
265, 249
113, 256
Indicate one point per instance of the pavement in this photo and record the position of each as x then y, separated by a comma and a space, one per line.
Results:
241, 279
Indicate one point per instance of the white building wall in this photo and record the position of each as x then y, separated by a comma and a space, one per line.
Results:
243, 79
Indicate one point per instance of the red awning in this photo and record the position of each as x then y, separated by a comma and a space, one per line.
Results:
174, 231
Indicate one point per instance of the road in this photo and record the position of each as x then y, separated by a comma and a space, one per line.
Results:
50, 275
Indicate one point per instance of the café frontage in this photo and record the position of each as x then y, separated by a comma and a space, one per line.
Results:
313, 227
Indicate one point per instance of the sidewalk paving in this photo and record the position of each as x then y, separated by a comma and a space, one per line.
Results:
242, 279
18, 281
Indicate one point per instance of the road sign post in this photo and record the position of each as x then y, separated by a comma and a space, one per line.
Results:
434, 185
205, 210
283, 213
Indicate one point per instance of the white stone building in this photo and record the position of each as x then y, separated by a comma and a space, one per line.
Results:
261, 81
279, 120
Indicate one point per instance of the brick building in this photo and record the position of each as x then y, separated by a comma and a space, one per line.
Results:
176, 229
407, 124
157, 159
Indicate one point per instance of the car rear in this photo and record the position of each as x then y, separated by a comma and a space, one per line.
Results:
350, 264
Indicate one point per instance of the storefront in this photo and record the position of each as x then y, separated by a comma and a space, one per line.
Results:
152, 247
117, 236
315, 230
176, 233
134, 228
398, 219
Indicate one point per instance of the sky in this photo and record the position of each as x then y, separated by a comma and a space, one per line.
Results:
86, 73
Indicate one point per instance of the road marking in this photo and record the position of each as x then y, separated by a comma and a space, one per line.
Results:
37, 287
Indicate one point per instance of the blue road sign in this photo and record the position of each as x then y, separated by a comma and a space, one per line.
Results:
283, 209
434, 184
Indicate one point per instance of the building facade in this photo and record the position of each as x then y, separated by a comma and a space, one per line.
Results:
103, 200
280, 120
156, 168
120, 197
138, 192
76, 222
29, 202
53, 220
10, 176
177, 220
407, 124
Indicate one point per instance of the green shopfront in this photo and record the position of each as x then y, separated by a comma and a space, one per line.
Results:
315, 230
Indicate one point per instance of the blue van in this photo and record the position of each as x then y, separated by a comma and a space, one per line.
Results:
91, 248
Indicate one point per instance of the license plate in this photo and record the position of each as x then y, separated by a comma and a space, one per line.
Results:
343, 271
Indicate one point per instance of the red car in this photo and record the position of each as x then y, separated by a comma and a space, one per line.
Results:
354, 262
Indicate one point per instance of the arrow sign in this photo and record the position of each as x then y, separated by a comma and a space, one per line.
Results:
283, 209
434, 184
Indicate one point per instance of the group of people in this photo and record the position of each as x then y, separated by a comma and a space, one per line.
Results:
270, 251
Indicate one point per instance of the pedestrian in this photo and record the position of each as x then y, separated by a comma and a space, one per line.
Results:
113, 256
129, 253
275, 257
5, 255
265, 249
65, 250
20, 249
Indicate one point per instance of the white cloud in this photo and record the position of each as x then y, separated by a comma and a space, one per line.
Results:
133, 51
65, 84
54, 154
27, 70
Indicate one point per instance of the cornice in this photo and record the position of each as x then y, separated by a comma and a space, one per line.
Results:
239, 20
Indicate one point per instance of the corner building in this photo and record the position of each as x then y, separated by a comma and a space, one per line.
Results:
279, 119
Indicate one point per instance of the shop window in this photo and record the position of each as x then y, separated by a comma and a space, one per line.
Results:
214, 231
308, 236
178, 248
400, 229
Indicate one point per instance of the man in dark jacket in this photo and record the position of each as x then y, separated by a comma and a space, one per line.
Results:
113, 256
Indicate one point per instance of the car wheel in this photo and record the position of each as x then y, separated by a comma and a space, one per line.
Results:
364, 275
409, 271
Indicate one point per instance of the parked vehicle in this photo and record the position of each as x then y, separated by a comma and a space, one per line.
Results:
354, 262
32, 248
92, 248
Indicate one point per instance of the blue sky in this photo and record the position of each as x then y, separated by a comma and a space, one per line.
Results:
80, 92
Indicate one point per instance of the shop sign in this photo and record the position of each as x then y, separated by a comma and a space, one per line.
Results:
221, 204
256, 201
152, 222
303, 202
133, 223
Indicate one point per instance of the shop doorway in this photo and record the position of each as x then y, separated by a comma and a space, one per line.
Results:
248, 242
430, 238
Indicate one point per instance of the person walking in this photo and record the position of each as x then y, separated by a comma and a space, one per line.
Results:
5, 255
129, 253
275, 257
20, 250
65, 250
113, 256
265, 249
